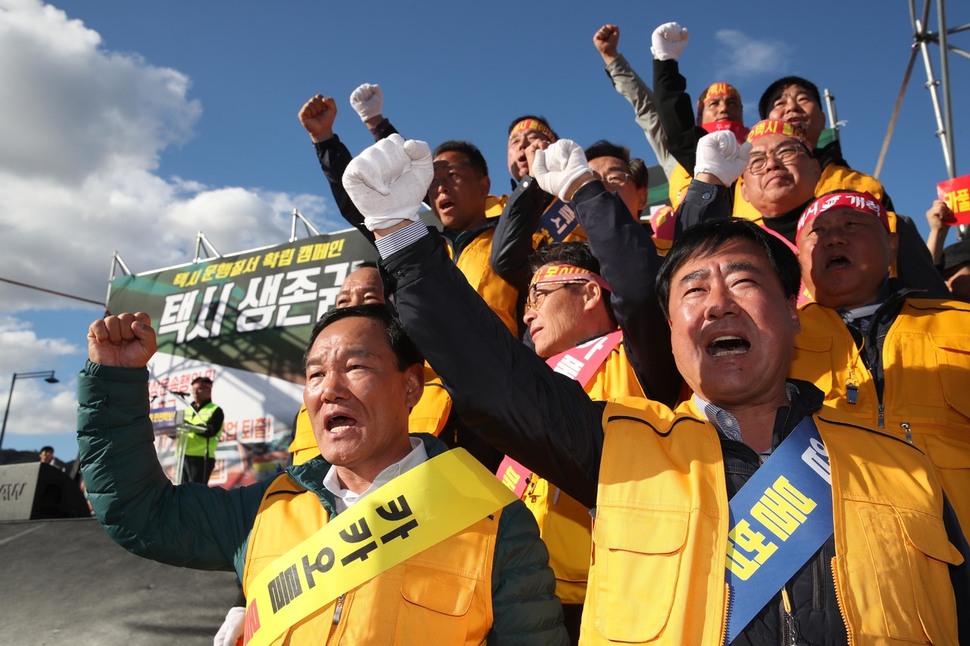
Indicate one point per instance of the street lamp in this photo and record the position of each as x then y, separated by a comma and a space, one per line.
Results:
47, 375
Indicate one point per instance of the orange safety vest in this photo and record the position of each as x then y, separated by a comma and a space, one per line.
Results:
564, 523
926, 396
442, 595
660, 534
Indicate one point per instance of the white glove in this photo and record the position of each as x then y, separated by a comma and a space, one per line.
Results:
720, 154
231, 629
389, 180
669, 40
367, 100
560, 168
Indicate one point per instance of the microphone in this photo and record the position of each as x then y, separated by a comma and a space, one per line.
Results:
179, 393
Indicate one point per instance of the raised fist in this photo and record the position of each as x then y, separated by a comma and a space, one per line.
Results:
126, 340
669, 40
368, 101
720, 154
561, 169
388, 181
317, 116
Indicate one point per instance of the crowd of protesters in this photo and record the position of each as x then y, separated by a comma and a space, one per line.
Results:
741, 421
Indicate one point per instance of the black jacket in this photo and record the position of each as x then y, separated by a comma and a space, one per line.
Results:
547, 422
334, 157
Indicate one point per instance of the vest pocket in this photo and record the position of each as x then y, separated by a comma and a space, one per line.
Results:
951, 457
814, 362
930, 560
953, 358
636, 549
900, 596
434, 606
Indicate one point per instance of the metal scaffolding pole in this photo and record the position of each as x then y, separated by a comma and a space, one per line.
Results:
942, 111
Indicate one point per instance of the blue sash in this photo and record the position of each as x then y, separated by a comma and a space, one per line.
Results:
558, 221
779, 519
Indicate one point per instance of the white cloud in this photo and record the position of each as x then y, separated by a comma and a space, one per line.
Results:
22, 347
743, 56
59, 411
72, 110
82, 130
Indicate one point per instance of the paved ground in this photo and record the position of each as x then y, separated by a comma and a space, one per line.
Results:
66, 582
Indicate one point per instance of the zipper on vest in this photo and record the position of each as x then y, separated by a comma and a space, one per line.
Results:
788, 631
838, 599
818, 584
907, 431
338, 609
882, 416
727, 610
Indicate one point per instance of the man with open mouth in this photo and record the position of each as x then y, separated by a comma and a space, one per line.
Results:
459, 197
695, 508
372, 542
890, 357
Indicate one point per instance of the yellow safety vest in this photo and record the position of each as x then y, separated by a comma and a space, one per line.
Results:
304, 445
926, 367
564, 523
677, 184
198, 445
660, 534
431, 412
474, 262
442, 595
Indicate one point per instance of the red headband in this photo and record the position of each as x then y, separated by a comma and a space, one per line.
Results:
720, 88
860, 202
740, 132
717, 89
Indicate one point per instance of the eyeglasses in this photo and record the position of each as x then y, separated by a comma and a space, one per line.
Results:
537, 296
614, 178
785, 153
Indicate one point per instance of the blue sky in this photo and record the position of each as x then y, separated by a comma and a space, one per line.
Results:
130, 126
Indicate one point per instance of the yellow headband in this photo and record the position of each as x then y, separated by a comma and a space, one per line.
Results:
778, 127
533, 124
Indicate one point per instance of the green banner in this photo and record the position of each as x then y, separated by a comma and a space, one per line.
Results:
253, 310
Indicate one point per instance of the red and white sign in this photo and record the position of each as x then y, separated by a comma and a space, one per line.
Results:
956, 193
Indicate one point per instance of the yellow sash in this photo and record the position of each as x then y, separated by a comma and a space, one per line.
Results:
403, 517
